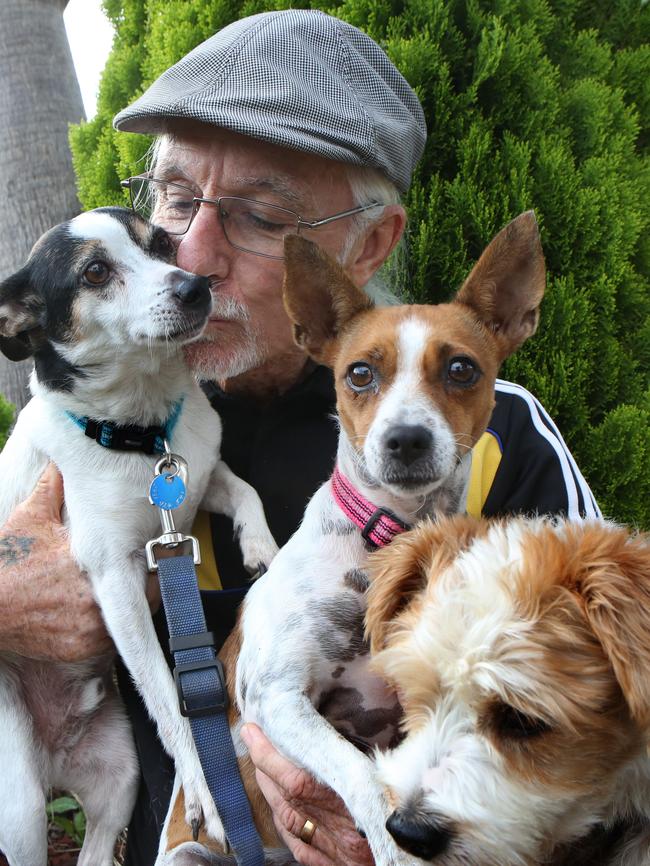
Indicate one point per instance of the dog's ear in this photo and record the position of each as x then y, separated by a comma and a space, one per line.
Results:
20, 313
506, 285
318, 296
613, 581
400, 571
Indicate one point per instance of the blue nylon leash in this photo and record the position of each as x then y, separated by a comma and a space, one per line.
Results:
198, 673
203, 697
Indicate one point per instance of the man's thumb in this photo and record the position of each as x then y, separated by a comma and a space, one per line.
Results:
46, 499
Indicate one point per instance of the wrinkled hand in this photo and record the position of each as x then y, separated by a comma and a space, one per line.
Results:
294, 796
47, 609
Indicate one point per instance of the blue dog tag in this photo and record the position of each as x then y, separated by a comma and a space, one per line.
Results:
167, 491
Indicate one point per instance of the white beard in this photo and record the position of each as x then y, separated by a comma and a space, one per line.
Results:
216, 358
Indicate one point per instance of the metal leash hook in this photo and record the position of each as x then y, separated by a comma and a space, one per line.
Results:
167, 492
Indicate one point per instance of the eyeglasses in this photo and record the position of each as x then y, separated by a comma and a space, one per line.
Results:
252, 226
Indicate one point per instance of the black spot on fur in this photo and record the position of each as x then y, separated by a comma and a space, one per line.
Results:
339, 628
344, 709
338, 671
336, 527
131, 222
356, 579
54, 371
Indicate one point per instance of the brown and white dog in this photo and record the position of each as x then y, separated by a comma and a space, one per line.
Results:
415, 390
521, 654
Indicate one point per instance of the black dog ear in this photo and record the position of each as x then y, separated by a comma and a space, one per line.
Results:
20, 315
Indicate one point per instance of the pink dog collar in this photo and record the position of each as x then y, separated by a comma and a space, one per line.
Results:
378, 526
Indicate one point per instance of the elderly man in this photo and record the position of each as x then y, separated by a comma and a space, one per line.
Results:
284, 122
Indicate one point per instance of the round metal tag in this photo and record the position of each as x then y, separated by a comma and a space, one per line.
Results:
167, 491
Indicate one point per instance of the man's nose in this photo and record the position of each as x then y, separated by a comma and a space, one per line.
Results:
203, 249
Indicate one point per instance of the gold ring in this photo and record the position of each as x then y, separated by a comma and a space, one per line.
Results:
307, 832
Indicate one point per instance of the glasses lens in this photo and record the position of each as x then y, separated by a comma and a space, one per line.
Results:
165, 204
256, 227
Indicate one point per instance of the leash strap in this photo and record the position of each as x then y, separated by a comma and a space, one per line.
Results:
203, 699
378, 526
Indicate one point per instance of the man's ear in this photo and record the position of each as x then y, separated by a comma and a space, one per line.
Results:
20, 313
318, 296
400, 571
613, 582
506, 285
376, 244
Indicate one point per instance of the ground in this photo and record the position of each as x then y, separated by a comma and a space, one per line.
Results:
62, 851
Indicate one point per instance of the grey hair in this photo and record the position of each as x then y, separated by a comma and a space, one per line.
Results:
369, 184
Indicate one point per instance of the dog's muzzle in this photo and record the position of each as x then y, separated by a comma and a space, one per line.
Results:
407, 456
425, 838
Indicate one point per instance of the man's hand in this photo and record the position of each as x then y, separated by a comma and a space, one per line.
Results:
295, 797
47, 610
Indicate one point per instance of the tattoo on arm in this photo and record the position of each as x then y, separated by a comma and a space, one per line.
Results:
14, 548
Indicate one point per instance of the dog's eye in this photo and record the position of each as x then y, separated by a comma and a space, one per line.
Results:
97, 273
515, 725
360, 376
161, 245
463, 371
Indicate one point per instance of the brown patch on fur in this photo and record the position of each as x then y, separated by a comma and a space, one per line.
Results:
506, 286
318, 296
579, 637
590, 733
401, 570
179, 831
605, 572
369, 338
454, 333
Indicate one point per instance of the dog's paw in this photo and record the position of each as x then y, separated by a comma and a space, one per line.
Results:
258, 550
201, 813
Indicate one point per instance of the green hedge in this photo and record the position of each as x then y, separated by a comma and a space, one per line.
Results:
530, 103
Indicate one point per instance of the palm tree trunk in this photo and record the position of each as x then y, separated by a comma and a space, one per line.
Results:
39, 98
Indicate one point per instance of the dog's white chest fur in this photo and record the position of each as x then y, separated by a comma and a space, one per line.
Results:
106, 492
305, 622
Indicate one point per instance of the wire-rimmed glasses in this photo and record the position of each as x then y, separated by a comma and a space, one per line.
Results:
249, 225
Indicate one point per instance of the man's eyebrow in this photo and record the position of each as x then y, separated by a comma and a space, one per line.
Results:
164, 169
278, 185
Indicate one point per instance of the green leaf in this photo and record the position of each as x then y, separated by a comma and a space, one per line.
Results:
62, 805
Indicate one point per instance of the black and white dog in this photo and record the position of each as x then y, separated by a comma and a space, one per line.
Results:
105, 312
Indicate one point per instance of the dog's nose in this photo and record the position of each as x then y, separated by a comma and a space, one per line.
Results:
425, 839
191, 290
408, 442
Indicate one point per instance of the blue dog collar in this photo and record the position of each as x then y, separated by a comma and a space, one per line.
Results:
130, 437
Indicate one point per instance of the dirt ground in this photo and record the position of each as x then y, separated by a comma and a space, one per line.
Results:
62, 851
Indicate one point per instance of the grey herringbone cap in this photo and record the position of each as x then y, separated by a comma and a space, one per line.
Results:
298, 78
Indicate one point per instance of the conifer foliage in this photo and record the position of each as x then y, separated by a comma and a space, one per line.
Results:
541, 104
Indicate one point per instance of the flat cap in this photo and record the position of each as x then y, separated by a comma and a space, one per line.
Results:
298, 78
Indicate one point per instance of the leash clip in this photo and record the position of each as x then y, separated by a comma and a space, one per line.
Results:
167, 492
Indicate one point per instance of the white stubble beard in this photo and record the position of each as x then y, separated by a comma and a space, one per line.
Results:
210, 357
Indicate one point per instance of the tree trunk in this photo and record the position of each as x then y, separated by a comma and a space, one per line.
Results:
39, 98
